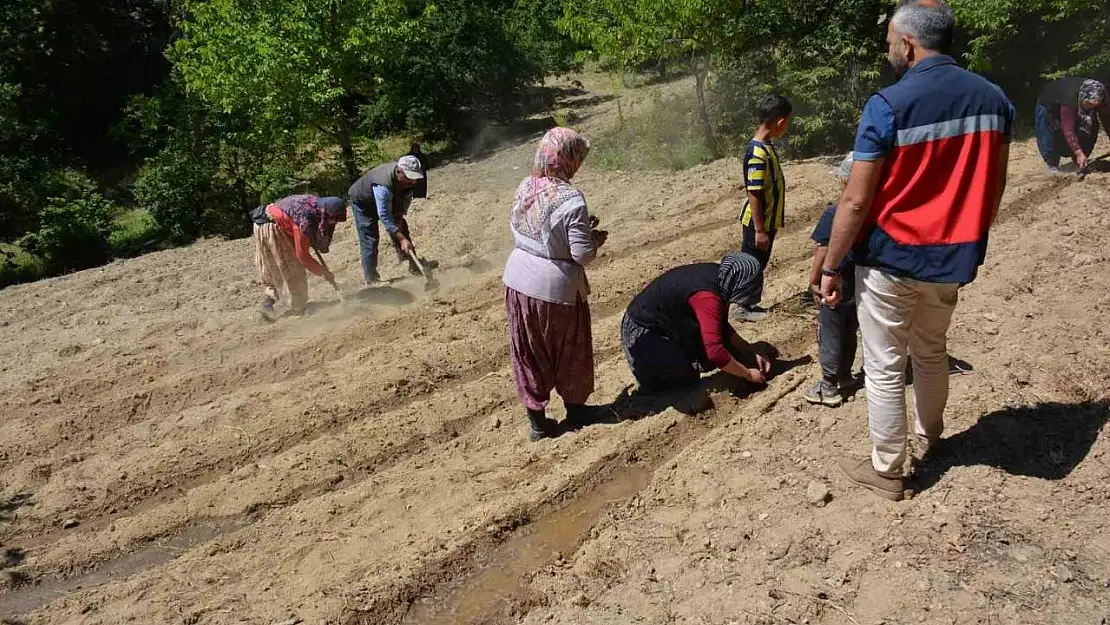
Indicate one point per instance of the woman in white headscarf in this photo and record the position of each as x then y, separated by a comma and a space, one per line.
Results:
546, 290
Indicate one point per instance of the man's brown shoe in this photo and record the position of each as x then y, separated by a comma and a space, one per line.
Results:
864, 474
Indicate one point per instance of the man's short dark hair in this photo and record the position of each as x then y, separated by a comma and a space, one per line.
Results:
774, 107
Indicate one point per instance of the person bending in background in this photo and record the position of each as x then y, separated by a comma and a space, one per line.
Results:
677, 328
1067, 120
546, 291
765, 204
836, 326
285, 232
384, 194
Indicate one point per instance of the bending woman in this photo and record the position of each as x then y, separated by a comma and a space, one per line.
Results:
677, 328
285, 232
546, 291
1067, 120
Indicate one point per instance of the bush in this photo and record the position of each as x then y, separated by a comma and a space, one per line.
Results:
73, 233
17, 266
174, 187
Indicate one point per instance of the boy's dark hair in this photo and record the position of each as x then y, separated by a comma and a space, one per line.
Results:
774, 107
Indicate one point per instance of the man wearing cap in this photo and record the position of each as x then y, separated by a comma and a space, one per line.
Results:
384, 194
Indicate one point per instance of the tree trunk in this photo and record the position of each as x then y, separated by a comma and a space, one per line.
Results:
701, 71
346, 147
347, 109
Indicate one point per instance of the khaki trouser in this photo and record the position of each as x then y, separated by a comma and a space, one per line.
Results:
275, 258
899, 316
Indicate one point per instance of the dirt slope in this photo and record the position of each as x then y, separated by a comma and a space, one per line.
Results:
167, 459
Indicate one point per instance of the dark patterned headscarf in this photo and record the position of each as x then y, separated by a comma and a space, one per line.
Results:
1091, 91
315, 216
740, 279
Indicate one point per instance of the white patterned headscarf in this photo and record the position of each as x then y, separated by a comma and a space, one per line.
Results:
560, 154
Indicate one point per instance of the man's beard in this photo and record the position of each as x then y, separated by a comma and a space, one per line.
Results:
900, 64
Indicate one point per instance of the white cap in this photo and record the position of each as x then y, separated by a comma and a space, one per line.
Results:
411, 167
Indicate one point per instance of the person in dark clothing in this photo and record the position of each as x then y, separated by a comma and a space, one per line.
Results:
1067, 118
421, 190
384, 194
677, 328
836, 326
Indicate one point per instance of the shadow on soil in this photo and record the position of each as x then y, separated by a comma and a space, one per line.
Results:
11, 506
633, 405
1045, 441
384, 296
375, 295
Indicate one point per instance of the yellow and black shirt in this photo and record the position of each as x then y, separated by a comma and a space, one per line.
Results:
763, 174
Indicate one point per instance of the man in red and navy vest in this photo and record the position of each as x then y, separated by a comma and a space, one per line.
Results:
930, 170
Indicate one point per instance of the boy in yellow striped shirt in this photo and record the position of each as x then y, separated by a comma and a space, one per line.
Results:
765, 204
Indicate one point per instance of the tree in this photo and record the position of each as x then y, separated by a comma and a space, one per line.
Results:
292, 63
629, 33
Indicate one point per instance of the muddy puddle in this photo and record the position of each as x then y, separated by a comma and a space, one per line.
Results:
32, 597
488, 590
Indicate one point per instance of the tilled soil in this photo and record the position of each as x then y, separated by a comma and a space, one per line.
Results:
169, 459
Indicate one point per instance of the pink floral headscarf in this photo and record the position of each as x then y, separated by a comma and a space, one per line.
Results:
560, 154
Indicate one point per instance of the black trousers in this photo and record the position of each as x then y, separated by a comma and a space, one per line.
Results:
747, 246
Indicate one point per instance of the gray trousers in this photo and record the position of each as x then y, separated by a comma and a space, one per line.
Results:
836, 341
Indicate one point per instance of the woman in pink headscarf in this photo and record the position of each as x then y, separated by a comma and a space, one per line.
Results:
545, 284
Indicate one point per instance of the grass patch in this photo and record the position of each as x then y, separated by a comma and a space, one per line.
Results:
17, 266
663, 133
135, 233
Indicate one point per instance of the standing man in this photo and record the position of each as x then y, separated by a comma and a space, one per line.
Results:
930, 170
384, 194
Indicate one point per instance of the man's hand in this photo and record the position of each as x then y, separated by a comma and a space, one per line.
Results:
594, 221
815, 293
1081, 161
600, 237
404, 243
831, 289
762, 240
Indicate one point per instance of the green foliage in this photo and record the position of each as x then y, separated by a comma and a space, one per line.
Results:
174, 188
74, 229
135, 232
17, 266
195, 111
999, 28
827, 74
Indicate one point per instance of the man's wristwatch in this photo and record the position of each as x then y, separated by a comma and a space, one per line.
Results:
832, 273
